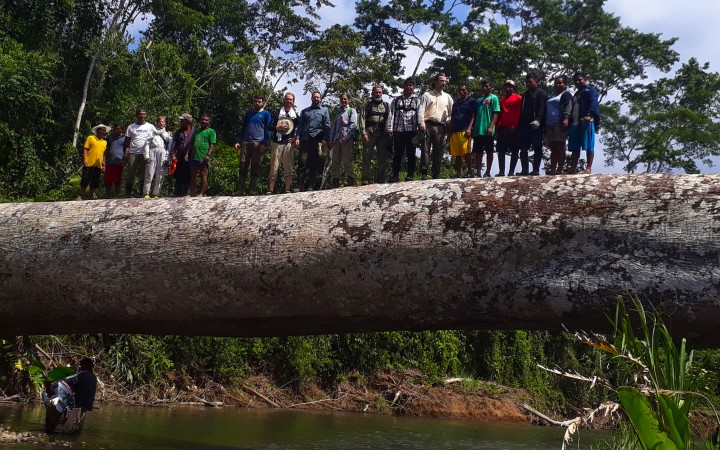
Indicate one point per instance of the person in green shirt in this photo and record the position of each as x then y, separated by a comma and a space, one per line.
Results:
203, 148
484, 129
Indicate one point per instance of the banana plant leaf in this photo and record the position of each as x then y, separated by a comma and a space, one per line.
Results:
644, 420
59, 373
677, 425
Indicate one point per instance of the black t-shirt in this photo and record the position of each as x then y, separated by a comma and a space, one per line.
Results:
85, 385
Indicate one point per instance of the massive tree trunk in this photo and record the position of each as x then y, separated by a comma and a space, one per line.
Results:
512, 253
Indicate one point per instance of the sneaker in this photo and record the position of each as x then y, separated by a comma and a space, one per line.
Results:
412, 179
393, 180
268, 193
155, 196
534, 173
146, 196
521, 174
424, 177
457, 175
499, 175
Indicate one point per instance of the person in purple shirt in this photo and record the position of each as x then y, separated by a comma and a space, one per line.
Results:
252, 141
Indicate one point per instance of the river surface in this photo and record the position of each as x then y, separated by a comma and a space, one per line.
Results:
116, 428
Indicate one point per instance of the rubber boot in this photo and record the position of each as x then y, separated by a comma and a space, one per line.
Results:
335, 183
350, 181
253, 185
241, 185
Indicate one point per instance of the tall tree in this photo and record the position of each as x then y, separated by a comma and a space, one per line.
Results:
278, 32
574, 35
335, 63
123, 13
391, 28
669, 124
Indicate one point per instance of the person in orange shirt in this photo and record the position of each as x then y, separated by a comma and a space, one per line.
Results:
507, 125
93, 161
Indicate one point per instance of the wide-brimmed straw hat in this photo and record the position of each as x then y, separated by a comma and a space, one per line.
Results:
95, 128
288, 122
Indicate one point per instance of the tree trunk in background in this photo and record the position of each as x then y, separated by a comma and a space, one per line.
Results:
511, 253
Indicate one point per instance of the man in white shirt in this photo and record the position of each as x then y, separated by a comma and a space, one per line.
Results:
437, 108
137, 136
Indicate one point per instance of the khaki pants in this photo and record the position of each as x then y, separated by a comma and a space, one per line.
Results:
342, 153
281, 153
432, 146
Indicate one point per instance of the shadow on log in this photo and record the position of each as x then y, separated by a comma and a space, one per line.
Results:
512, 253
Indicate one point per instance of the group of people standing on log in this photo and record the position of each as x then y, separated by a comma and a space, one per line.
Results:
484, 124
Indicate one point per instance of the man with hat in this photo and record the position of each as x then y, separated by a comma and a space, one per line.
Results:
402, 126
180, 147
282, 148
93, 161
510, 107
436, 106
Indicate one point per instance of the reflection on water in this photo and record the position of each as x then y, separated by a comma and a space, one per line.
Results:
233, 428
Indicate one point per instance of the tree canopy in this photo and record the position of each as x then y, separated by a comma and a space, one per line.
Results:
71, 64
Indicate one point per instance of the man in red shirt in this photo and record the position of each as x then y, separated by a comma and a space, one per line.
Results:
510, 107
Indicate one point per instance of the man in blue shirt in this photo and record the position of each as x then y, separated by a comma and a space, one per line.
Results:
586, 120
313, 133
252, 141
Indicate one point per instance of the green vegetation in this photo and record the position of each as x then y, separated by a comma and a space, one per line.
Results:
71, 64
657, 384
499, 358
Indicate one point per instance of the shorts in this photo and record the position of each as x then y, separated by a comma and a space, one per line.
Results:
113, 174
582, 137
90, 177
483, 144
555, 135
196, 163
459, 144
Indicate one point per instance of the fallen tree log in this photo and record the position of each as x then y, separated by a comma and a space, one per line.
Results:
512, 253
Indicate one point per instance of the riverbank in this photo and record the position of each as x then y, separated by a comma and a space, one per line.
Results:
399, 393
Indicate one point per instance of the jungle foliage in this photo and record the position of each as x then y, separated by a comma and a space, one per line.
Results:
85, 62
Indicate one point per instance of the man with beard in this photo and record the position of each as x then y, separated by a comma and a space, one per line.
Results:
436, 107
375, 138
252, 141
282, 147
314, 131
